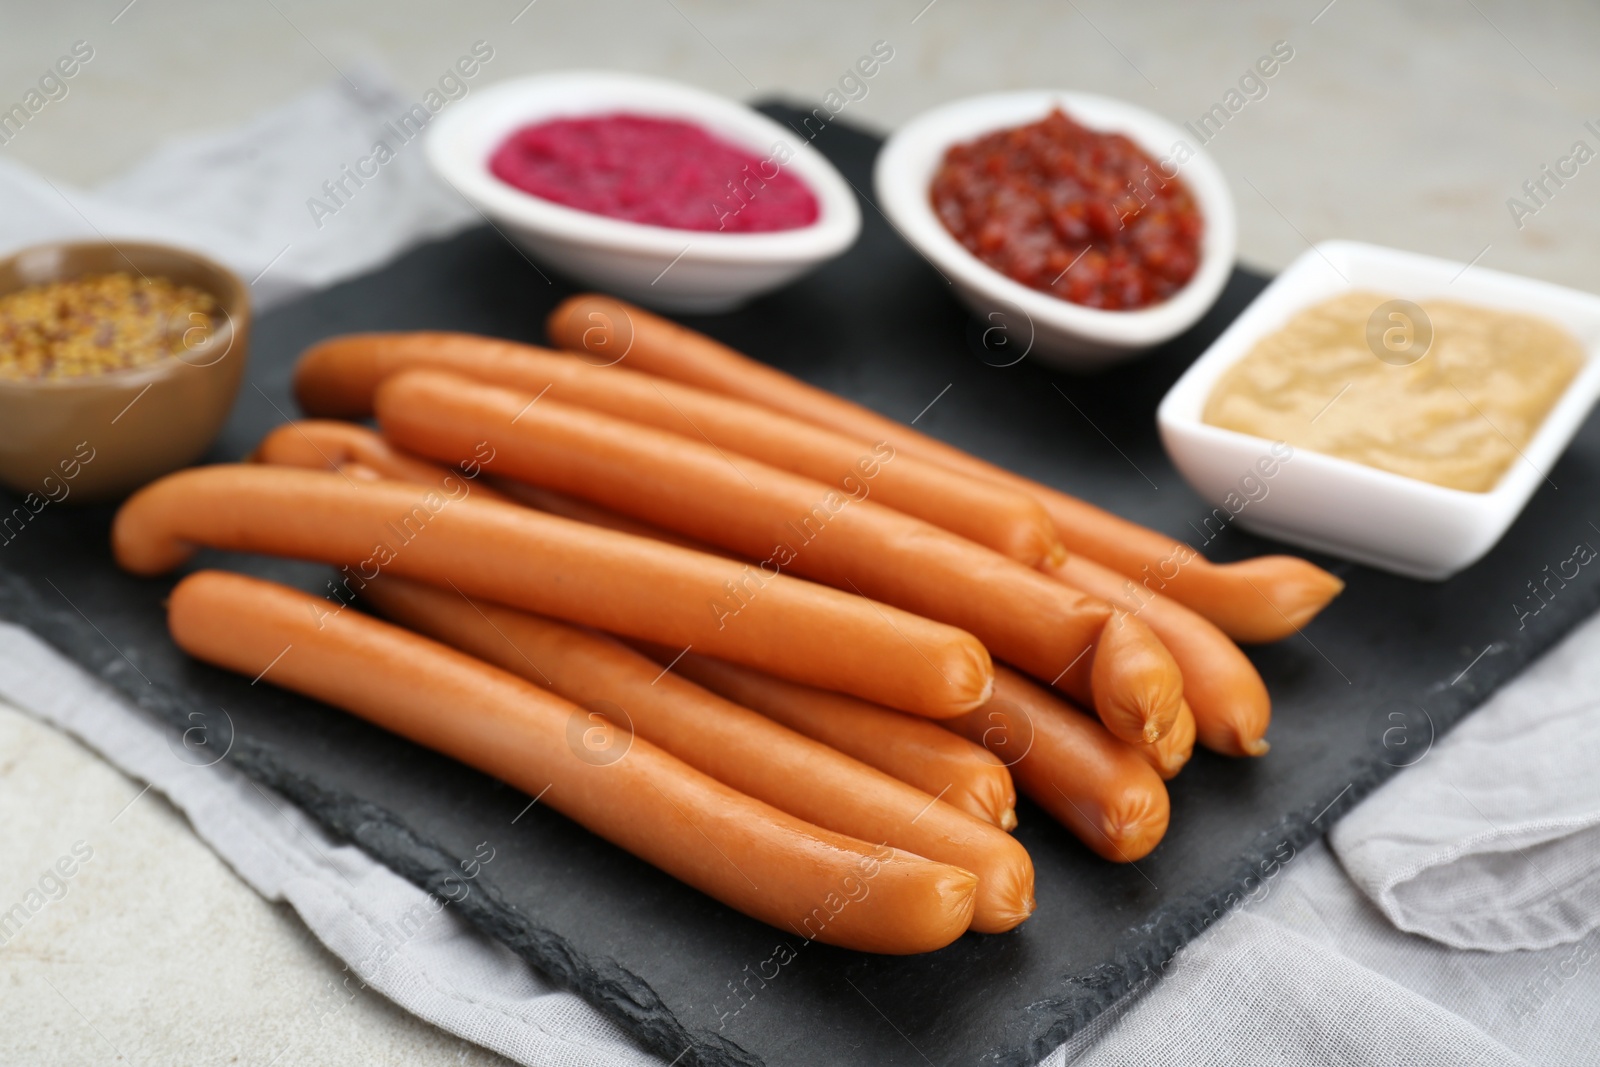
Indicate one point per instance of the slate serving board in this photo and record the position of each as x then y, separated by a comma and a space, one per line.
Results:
1366, 690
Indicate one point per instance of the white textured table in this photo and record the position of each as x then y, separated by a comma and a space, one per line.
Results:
1408, 127
152, 950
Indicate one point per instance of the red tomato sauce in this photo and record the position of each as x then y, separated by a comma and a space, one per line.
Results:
1081, 215
660, 172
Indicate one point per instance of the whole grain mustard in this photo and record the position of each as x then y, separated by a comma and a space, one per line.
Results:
98, 323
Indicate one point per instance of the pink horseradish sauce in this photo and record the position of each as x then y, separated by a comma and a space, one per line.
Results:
660, 172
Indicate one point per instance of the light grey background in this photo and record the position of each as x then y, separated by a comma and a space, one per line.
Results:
1403, 123
1407, 124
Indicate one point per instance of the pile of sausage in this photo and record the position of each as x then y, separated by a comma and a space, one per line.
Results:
738, 626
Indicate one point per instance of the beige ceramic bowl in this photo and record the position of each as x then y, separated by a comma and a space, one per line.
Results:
103, 435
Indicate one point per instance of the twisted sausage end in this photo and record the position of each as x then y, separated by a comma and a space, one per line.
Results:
1296, 589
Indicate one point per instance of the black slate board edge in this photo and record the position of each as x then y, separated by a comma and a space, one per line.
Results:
1151, 946
388, 840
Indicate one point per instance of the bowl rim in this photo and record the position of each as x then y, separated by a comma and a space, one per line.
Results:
1181, 407
460, 140
234, 304
905, 168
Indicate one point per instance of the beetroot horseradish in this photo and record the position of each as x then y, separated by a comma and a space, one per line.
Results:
660, 172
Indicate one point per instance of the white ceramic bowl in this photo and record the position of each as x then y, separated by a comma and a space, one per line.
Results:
1335, 505
1064, 334
676, 270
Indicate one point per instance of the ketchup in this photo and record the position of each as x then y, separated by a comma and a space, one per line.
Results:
660, 172
1082, 215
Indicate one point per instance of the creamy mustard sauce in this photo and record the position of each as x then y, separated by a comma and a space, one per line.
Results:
1459, 416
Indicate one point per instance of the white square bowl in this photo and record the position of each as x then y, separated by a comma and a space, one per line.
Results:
1385, 520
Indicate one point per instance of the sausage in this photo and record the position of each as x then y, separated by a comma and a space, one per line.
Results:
553, 566
842, 720
1137, 687
732, 744
339, 377
791, 524
1255, 600
1171, 754
746, 854
570, 507
963, 774
1069, 764
1228, 699
326, 444
1139, 701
